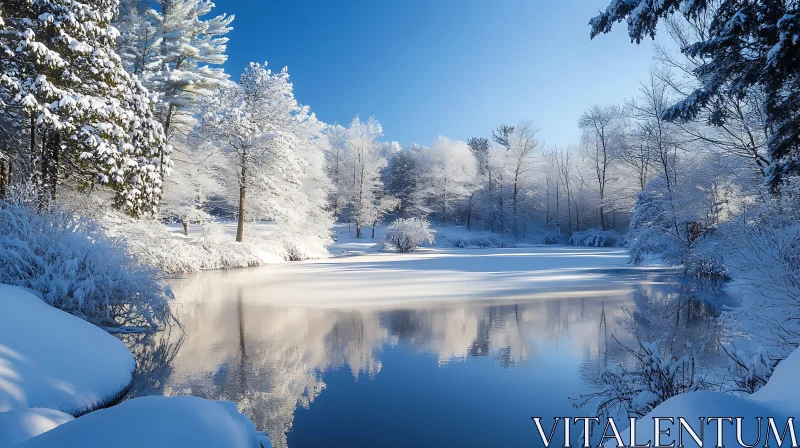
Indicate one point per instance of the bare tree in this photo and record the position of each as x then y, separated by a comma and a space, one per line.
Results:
636, 152
738, 121
563, 159
502, 136
520, 151
602, 135
661, 136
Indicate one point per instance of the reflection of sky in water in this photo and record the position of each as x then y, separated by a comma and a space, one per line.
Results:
466, 373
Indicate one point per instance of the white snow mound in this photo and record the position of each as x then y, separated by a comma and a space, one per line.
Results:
157, 422
52, 359
22, 424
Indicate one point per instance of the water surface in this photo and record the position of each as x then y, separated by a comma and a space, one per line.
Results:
440, 348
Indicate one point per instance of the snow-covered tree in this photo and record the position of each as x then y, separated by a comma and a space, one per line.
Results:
602, 135
65, 88
746, 44
355, 163
303, 210
447, 176
177, 52
480, 202
521, 148
257, 123
195, 179
401, 175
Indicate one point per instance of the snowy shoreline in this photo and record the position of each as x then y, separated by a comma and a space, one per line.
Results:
63, 379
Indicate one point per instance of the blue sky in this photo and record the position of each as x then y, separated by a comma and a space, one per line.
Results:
441, 67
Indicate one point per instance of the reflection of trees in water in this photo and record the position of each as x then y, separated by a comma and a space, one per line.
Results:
683, 314
271, 359
154, 354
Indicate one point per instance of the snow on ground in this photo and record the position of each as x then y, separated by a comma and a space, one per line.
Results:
779, 398
52, 359
436, 275
21, 424
157, 422
211, 245
446, 236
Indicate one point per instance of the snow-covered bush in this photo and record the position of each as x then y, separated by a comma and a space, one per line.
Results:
211, 245
406, 235
750, 373
74, 266
463, 238
550, 234
482, 241
655, 376
705, 261
597, 238
761, 248
679, 223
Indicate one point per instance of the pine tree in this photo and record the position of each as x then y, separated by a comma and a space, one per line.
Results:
65, 86
176, 52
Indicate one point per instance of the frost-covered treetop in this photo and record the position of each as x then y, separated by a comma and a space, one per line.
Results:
748, 43
59, 69
177, 52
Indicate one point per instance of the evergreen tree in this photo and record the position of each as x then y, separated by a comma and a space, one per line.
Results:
748, 43
65, 87
176, 52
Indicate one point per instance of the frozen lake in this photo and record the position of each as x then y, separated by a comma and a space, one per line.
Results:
438, 348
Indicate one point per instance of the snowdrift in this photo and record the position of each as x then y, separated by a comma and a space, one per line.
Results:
157, 422
52, 359
779, 399
20, 425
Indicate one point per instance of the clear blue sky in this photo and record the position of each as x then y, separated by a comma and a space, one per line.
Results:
425, 68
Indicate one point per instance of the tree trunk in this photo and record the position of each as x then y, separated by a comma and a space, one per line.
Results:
162, 156
374, 223
242, 193
602, 216
516, 220
469, 211
55, 151
44, 174
186, 227
358, 229
2, 179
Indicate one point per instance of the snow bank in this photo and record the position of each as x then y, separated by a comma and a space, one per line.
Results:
22, 424
52, 359
157, 422
74, 266
210, 246
779, 398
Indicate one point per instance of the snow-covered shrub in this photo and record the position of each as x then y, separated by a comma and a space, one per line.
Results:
597, 238
406, 235
762, 251
481, 241
655, 376
211, 245
74, 266
750, 373
551, 235
705, 262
